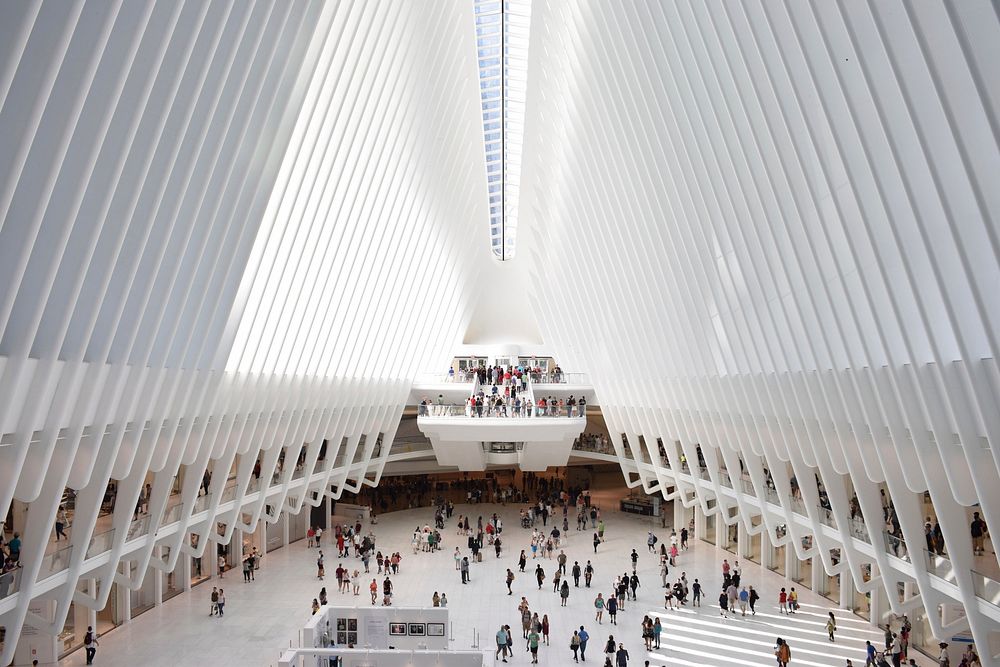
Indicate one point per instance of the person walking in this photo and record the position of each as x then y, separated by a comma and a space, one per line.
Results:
564, 592
782, 652
90, 644
723, 604
501, 644
612, 605
744, 599
61, 522
610, 648
752, 599
510, 580
574, 645
533, 646
588, 574
545, 629
373, 589
215, 601
319, 566
831, 625
621, 656
695, 593
522, 561
221, 606
782, 602
599, 606
584, 638
576, 573
539, 576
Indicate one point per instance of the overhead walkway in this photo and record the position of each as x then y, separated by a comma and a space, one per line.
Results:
531, 437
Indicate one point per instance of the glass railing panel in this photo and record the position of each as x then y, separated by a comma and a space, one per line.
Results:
986, 588
10, 582
522, 412
229, 493
771, 494
202, 502
747, 484
896, 547
724, 479
797, 505
173, 513
138, 528
100, 543
826, 516
859, 530
940, 567
55, 562
299, 472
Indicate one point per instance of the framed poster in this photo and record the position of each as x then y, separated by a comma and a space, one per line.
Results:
397, 629
341, 624
341, 638
352, 625
352, 638
416, 629
435, 629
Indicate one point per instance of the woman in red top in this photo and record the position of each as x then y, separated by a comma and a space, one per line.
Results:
782, 602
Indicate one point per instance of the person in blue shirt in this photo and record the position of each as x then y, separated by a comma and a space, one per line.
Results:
584, 636
501, 644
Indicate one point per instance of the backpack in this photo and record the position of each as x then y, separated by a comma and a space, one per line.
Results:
785, 653
88, 639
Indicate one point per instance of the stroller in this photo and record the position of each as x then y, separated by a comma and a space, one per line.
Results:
525, 521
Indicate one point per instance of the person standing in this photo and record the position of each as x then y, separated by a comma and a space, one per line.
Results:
793, 600
584, 638
522, 561
215, 601
744, 599
978, 530
510, 580
657, 629
373, 589
576, 573
588, 574
831, 625
319, 566
221, 606
545, 629
599, 606
564, 592
597, 540
782, 602
90, 644
539, 576
696, 593
612, 605
465, 570
562, 561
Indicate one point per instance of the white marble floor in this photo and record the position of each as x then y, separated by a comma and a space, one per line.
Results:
263, 617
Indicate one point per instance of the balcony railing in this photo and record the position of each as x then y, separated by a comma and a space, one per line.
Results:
55, 562
10, 582
466, 412
100, 543
940, 567
559, 378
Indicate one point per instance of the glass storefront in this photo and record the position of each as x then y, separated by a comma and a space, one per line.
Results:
709, 535
142, 599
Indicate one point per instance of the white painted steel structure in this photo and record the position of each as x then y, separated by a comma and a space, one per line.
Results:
771, 229
766, 229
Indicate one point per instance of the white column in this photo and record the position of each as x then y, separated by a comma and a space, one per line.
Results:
680, 520
846, 591
818, 575
184, 571
721, 532
124, 601
699, 522
742, 541
791, 562
157, 575
285, 527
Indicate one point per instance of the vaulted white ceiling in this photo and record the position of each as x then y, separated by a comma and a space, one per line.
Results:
767, 229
